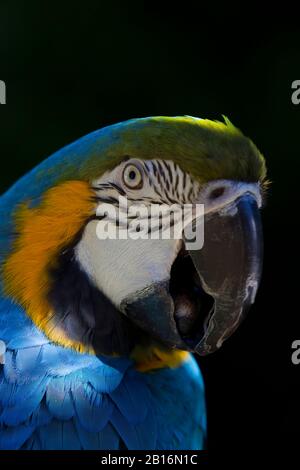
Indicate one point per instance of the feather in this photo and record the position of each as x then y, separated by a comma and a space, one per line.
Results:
33, 443
33, 338
105, 378
59, 435
17, 392
50, 436
63, 361
88, 440
199, 438
132, 398
24, 366
28, 358
24, 406
70, 436
107, 439
12, 438
175, 431
41, 416
142, 436
93, 414
58, 399
10, 372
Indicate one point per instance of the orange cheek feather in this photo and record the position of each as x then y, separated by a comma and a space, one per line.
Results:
43, 232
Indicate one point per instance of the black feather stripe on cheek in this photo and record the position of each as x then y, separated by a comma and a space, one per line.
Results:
84, 313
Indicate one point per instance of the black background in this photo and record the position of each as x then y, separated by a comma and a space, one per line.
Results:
73, 67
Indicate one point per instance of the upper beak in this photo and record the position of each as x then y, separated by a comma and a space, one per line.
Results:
228, 270
229, 267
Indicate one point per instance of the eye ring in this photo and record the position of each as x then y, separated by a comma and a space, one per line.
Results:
132, 177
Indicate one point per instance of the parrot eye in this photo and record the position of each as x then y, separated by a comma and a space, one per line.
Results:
132, 177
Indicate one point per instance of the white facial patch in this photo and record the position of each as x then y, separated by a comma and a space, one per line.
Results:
123, 267
220, 195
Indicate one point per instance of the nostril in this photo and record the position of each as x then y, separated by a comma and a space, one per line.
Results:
217, 192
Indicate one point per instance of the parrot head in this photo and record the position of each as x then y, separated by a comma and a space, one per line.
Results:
109, 295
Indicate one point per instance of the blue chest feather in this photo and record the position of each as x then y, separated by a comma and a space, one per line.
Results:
54, 398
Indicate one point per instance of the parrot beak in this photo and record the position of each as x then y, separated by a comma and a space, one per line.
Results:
210, 289
229, 267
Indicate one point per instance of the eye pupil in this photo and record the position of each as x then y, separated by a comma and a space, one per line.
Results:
132, 175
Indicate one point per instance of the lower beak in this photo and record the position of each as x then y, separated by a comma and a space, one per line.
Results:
228, 268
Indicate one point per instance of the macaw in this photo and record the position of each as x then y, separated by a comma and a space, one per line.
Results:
97, 334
